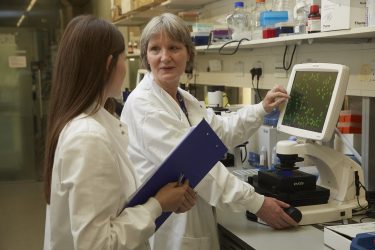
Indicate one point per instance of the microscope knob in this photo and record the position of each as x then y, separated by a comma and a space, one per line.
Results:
294, 213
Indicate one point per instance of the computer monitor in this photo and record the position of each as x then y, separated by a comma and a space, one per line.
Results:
317, 92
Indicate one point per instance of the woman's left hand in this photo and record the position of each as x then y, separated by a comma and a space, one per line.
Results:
276, 96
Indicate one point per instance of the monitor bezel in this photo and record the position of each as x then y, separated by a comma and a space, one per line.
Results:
335, 105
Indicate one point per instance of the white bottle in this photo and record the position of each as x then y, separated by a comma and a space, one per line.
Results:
257, 29
239, 22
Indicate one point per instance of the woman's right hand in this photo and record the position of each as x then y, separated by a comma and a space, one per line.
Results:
174, 198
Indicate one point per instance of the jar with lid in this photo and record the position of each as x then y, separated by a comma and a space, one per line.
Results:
239, 22
313, 19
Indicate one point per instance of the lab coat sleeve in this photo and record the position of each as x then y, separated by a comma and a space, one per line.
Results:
160, 133
90, 175
237, 127
222, 189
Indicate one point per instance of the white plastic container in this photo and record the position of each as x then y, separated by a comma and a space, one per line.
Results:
285, 5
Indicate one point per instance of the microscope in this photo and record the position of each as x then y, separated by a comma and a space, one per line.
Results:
316, 92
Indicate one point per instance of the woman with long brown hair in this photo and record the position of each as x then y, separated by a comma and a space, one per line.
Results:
88, 176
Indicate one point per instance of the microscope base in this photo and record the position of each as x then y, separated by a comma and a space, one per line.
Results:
332, 211
318, 195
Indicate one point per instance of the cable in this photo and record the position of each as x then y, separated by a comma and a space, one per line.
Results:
209, 40
291, 59
358, 186
256, 72
235, 50
259, 74
258, 91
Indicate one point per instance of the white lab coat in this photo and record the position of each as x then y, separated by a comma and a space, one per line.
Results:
92, 179
156, 125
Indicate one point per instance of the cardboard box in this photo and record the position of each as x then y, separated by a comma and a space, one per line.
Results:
343, 14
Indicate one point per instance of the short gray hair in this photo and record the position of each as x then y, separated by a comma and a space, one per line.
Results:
175, 28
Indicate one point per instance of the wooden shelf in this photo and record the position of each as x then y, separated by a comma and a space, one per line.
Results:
365, 33
145, 13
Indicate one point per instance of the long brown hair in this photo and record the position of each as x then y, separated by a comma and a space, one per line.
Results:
80, 77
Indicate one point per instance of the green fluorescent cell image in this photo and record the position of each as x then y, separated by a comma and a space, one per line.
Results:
309, 100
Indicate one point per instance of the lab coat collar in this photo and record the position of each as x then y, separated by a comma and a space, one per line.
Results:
104, 117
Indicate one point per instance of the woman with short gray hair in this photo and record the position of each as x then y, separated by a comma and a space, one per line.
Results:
159, 114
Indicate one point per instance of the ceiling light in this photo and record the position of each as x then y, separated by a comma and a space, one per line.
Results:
31, 5
28, 9
20, 20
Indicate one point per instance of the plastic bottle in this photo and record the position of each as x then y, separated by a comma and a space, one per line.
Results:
130, 48
313, 19
300, 26
263, 157
301, 10
239, 22
257, 29
135, 48
274, 160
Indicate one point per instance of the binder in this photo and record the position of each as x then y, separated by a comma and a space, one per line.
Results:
193, 157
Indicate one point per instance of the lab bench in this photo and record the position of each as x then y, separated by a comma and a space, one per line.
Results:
238, 233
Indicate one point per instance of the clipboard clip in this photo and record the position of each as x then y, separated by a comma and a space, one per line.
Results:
181, 179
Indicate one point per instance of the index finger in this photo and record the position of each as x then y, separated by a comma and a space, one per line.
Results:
279, 88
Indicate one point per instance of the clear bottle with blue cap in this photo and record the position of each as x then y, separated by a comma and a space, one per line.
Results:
239, 22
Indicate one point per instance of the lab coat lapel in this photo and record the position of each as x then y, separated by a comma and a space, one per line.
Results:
195, 109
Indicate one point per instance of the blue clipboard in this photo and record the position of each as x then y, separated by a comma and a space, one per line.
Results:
193, 158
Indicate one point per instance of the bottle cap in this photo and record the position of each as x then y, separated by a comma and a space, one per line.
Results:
314, 8
238, 5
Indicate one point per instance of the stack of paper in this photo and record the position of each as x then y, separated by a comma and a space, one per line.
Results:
339, 237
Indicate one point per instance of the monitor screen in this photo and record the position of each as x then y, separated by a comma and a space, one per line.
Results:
316, 94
